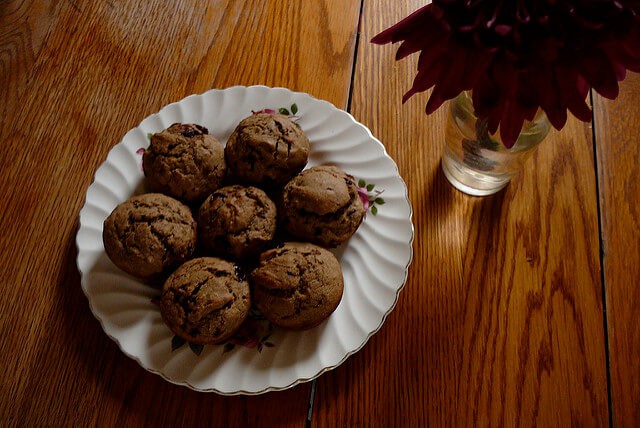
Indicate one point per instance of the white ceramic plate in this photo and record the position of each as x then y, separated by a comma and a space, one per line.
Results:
374, 261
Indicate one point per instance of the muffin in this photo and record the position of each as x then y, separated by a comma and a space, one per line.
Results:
267, 149
185, 162
321, 205
205, 301
237, 221
298, 285
148, 235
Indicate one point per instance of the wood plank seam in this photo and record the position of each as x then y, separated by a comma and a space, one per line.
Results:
355, 57
601, 256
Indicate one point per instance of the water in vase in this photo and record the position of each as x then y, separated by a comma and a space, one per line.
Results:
477, 162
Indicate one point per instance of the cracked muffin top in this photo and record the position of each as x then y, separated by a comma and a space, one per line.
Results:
298, 285
237, 221
185, 162
267, 150
321, 205
147, 235
205, 300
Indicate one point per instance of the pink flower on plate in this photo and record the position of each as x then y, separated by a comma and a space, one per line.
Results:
291, 112
249, 334
364, 197
369, 196
140, 152
264, 111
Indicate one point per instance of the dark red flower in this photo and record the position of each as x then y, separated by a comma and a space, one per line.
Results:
520, 55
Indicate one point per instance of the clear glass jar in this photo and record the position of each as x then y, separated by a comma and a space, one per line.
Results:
477, 162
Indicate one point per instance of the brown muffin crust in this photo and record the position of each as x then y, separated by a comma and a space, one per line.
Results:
237, 221
321, 205
185, 162
205, 301
148, 235
298, 285
267, 149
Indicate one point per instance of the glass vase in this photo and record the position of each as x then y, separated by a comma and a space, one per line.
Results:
477, 162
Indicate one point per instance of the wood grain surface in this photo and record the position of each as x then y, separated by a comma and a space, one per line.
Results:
617, 136
74, 77
501, 321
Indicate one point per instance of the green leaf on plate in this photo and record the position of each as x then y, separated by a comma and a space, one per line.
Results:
361, 183
294, 108
284, 111
370, 187
379, 201
374, 210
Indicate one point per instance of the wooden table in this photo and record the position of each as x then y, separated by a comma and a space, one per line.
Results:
520, 309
